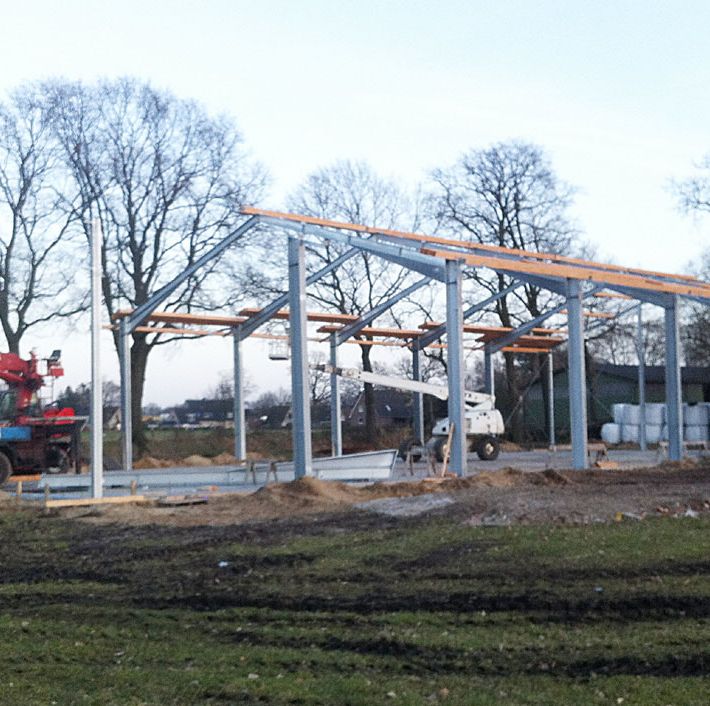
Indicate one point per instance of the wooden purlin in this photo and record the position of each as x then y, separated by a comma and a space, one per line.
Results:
322, 316
563, 272
172, 317
541, 341
497, 249
481, 328
378, 332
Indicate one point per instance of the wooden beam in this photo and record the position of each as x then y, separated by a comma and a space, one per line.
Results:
558, 271
80, 502
174, 317
323, 316
377, 332
479, 328
494, 249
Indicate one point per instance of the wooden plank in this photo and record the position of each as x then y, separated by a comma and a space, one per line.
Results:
495, 249
570, 272
480, 328
24, 479
81, 502
377, 332
323, 316
174, 317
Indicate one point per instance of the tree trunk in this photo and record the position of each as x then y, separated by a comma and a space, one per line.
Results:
511, 379
139, 362
370, 413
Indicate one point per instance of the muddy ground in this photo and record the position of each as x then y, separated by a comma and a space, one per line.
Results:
491, 498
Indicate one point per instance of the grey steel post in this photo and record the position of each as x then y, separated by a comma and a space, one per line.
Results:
642, 379
124, 355
489, 384
551, 399
577, 375
454, 329
674, 394
240, 437
97, 421
418, 411
300, 399
336, 433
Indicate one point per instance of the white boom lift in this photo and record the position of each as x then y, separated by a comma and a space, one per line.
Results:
483, 421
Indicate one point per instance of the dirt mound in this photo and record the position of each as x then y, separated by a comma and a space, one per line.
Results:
150, 462
309, 492
196, 460
224, 459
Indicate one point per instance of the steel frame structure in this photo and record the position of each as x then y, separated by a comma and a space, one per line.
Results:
442, 260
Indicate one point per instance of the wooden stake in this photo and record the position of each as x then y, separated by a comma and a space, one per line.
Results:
447, 452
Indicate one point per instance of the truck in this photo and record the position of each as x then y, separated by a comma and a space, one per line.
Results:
35, 438
484, 423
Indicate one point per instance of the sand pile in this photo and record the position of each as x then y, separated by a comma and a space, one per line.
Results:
224, 459
196, 460
150, 462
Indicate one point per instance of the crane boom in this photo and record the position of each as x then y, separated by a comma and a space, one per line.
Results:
427, 388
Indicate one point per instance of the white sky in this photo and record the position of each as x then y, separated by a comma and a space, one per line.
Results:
615, 90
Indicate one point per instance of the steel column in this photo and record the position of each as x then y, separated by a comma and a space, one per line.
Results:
551, 400
454, 328
577, 375
336, 427
418, 411
300, 398
640, 352
489, 385
240, 435
97, 417
124, 356
674, 394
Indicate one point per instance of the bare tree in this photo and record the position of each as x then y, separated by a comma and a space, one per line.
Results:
167, 181
36, 281
693, 195
352, 192
506, 195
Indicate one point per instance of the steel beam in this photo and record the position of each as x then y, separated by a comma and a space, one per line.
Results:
124, 356
254, 322
576, 373
408, 257
674, 394
435, 334
298, 331
366, 319
454, 327
336, 427
489, 383
240, 432
97, 417
418, 411
640, 352
142, 312
551, 400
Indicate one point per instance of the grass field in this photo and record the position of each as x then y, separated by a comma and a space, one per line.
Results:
340, 610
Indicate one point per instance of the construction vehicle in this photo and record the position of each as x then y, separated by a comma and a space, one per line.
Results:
32, 438
484, 423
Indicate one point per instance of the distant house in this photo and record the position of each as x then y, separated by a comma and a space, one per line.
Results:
273, 417
608, 384
112, 418
206, 413
392, 408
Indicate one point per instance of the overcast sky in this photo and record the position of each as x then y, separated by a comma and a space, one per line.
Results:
615, 91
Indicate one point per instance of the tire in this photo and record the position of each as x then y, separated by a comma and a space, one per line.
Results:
488, 448
440, 448
5, 468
